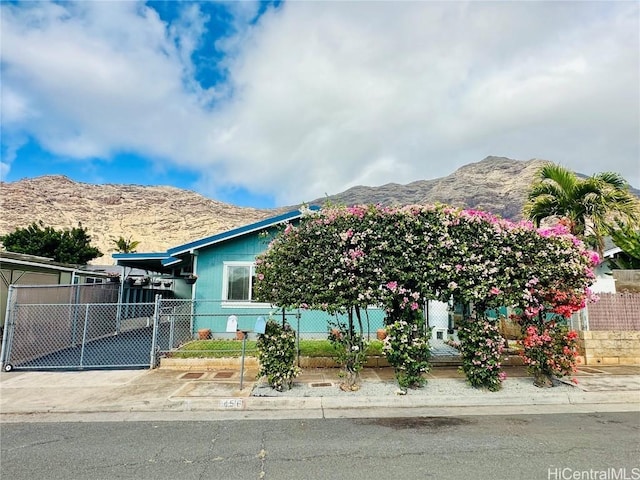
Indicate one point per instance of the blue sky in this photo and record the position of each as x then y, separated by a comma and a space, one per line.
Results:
267, 104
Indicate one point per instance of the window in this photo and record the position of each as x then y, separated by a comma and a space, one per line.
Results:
238, 282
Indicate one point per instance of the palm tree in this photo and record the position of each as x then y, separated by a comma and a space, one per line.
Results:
126, 245
590, 205
628, 240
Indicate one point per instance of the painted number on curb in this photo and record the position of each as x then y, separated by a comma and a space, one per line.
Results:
231, 403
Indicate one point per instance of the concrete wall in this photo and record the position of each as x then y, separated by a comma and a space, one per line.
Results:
610, 347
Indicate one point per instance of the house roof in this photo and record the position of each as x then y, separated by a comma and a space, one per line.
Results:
13, 260
143, 261
237, 232
164, 262
22, 259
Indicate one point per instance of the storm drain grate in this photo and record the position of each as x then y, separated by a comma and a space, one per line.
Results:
224, 374
322, 384
192, 375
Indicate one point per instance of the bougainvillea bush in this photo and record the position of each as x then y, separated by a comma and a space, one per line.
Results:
407, 349
343, 259
550, 351
277, 355
481, 347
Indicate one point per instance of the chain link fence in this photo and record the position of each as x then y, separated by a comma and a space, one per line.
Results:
51, 328
213, 315
90, 335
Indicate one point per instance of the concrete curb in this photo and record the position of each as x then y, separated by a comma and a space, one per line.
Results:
580, 397
333, 403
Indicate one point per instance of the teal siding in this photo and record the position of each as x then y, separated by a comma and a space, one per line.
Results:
211, 261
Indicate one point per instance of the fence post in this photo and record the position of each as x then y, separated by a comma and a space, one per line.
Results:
119, 308
74, 321
192, 311
172, 326
585, 319
298, 334
8, 325
154, 336
84, 334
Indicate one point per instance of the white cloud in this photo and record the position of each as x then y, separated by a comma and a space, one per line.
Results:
323, 97
100, 77
429, 87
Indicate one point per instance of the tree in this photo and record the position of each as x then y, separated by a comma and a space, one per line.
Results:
628, 240
590, 205
65, 246
125, 245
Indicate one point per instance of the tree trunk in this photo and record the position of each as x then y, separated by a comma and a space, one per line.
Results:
352, 381
542, 380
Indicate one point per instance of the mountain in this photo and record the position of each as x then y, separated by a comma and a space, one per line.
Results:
496, 184
164, 217
158, 217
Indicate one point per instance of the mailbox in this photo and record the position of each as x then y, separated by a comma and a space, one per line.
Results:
261, 324
232, 324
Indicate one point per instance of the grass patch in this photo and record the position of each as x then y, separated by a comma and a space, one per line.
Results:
215, 349
233, 348
323, 348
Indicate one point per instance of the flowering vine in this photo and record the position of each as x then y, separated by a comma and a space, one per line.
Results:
277, 355
550, 350
481, 347
407, 349
346, 258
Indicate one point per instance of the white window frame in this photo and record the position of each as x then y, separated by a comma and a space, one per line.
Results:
225, 284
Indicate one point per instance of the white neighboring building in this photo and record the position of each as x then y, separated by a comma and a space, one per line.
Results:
605, 283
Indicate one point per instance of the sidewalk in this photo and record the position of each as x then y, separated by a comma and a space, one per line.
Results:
216, 394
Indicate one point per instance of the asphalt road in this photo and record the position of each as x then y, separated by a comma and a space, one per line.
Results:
556, 447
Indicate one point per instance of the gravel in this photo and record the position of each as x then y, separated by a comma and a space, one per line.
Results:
434, 387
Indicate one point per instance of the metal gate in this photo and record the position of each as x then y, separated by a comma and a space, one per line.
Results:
71, 336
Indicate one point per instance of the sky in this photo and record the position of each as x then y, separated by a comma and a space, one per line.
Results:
266, 104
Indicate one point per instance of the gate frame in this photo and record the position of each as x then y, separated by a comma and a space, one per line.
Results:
7, 337
9, 330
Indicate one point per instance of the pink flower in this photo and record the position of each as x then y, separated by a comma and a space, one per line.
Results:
495, 291
356, 253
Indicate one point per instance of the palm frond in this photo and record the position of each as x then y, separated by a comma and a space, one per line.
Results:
614, 179
564, 178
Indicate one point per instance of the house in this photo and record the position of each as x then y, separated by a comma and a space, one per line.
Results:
224, 266
216, 274
607, 278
